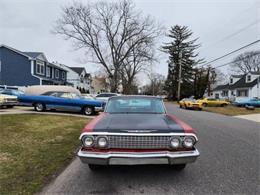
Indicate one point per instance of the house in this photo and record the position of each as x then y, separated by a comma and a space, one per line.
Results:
240, 86
100, 84
19, 68
78, 78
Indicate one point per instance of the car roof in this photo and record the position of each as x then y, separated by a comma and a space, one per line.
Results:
135, 96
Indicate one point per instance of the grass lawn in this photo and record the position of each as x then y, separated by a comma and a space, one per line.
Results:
231, 110
33, 148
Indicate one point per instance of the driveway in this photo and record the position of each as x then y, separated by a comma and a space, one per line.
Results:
30, 110
229, 164
251, 117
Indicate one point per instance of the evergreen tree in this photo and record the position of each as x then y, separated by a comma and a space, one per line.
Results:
181, 45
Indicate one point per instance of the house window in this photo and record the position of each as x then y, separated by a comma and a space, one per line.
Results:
81, 78
63, 75
48, 71
224, 93
40, 67
57, 74
231, 80
242, 93
248, 78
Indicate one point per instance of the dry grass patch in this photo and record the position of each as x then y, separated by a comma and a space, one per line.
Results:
231, 110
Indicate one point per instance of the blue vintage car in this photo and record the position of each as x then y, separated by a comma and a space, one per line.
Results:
248, 102
62, 101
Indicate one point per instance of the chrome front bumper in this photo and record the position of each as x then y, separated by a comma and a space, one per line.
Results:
8, 103
136, 158
99, 109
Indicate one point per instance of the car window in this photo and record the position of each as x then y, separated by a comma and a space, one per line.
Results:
65, 95
135, 105
106, 95
74, 95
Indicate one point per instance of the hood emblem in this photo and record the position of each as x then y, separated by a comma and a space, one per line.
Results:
139, 131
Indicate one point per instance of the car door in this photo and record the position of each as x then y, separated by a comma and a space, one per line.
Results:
67, 102
212, 102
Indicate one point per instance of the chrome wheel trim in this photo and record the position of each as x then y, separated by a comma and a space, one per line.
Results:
39, 107
88, 110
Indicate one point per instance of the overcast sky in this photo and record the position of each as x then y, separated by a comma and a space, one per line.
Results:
221, 25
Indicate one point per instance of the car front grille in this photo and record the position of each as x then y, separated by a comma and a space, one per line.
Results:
138, 142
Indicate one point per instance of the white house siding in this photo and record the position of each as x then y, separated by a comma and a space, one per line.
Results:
73, 77
255, 92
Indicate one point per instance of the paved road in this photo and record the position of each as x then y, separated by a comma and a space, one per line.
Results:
229, 164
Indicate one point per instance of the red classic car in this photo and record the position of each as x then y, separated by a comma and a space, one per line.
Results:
137, 130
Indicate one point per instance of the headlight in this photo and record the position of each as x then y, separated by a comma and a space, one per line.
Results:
188, 142
88, 141
102, 142
175, 142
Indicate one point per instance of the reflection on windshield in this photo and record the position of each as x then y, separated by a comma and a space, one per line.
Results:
135, 105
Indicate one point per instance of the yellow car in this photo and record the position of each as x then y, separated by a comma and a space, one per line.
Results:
213, 102
189, 103
7, 101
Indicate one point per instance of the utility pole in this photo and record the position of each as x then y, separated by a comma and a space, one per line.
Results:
179, 80
208, 80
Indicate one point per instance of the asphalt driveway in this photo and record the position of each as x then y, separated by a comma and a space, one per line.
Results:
229, 164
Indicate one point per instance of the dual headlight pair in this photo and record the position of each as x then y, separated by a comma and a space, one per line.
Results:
100, 141
187, 142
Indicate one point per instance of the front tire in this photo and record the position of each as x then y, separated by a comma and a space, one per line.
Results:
87, 110
179, 167
39, 107
205, 104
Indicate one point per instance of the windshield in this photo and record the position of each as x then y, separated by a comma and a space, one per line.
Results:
106, 95
135, 105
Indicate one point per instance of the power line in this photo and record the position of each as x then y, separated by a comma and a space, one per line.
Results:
233, 34
234, 51
234, 61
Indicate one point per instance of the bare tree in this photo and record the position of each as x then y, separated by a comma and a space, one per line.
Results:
247, 62
140, 59
156, 84
108, 31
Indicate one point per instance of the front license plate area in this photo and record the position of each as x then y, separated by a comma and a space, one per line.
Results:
137, 161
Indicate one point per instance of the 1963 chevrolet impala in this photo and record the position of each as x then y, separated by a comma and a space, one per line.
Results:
137, 130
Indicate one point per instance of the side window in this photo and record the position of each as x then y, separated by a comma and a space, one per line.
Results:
66, 95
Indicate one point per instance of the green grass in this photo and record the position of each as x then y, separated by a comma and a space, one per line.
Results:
34, 148
231, 110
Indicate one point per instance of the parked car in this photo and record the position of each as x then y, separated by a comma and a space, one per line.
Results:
8, 101
255, 102
88, 96
189, 103
12, 92
213, 102
62, 101
137, 130
105, 96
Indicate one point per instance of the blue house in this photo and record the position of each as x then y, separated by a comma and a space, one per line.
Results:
19, 68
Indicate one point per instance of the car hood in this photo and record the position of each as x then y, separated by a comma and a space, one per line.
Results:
137, 123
